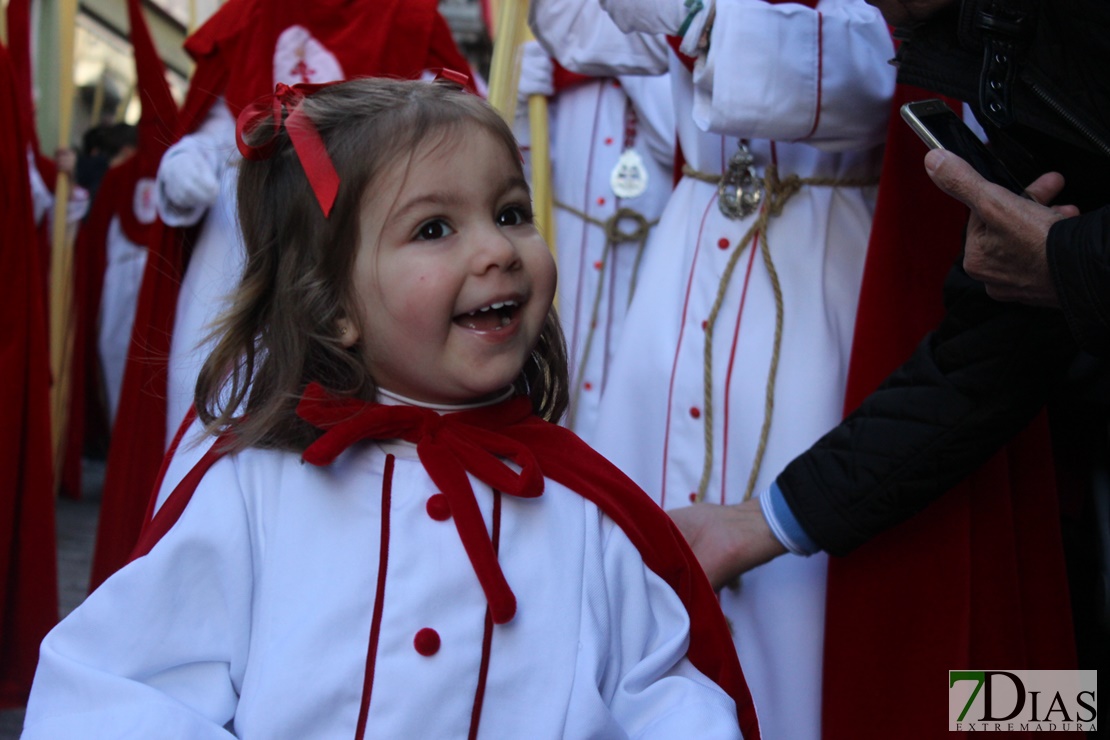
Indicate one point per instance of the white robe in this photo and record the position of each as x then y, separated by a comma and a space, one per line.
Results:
253, 613
587, 123
123, 276
775, 74
214, 269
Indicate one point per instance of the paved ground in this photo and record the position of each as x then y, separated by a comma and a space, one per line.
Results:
76, 526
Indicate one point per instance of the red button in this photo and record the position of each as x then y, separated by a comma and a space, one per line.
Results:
608, 139
601, 201
694, 497
438, 508
704, 325
695, 412
723, 243
426, 642
588, 385
598, 265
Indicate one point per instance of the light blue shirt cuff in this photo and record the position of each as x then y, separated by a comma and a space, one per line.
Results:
783, 523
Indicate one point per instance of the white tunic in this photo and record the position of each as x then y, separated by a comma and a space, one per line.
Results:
810, 92
287, 596
215, 265
591, 124
123, 276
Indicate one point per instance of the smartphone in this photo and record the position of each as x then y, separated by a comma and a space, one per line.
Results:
940, 128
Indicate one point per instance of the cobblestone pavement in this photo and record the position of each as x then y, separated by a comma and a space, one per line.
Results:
76, 528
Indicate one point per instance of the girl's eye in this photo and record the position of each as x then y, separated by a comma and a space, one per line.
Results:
514, 216
434, 229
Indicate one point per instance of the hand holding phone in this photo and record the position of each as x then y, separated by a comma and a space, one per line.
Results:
940, 128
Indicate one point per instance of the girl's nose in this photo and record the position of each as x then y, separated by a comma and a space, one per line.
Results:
494, 250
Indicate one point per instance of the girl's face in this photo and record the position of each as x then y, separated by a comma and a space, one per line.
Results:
453, 280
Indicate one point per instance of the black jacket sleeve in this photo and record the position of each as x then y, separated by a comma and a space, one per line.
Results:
970, 386
1079, 261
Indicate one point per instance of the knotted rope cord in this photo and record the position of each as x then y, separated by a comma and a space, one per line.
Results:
778, 192
613, 235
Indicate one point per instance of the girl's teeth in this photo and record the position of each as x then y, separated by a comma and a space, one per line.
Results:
493, 306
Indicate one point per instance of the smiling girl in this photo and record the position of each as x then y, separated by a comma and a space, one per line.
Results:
388, 536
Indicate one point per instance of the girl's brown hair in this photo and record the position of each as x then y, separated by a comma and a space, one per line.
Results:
281, 331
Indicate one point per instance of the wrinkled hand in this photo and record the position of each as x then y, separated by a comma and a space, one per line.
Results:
1006, 234
727, 540
902, 12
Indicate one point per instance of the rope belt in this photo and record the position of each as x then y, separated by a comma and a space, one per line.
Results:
777, 192
614, 234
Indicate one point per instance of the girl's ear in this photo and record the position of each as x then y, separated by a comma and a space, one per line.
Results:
348, 332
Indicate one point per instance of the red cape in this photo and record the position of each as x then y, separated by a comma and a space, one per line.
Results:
976, 580
234, 52
116, 198
28, 557
566, 459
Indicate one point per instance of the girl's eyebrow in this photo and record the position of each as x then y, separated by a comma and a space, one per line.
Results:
442, 198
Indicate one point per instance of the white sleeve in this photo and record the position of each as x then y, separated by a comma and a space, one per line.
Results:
189, 174
41, 197
789, 73
651, 688
160, 648
584, 39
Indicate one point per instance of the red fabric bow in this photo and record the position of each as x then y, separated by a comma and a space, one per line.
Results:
462, 79
449, 446
310, 148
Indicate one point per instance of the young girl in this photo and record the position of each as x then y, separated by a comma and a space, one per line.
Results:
389, 537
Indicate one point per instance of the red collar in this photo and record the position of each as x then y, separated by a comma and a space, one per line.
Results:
450, 446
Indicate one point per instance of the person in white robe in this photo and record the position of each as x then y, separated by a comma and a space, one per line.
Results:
612, 155
736, 346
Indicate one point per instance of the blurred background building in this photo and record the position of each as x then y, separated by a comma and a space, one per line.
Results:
103, 70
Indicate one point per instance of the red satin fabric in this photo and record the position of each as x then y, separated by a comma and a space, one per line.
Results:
28, 556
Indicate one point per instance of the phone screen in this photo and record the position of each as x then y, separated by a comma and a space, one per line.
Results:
944, 129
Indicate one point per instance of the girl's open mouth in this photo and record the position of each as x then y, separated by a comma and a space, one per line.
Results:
493, 317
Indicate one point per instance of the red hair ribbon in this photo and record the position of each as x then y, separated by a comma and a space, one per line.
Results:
462, 79
310, 148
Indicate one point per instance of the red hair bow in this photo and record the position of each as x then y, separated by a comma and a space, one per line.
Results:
310, 148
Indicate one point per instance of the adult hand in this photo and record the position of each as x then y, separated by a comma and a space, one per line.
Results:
903, 12
1006, 234
536, 71
187, 184
727, 540
66, 161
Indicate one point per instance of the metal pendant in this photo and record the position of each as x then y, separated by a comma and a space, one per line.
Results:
629, 178
740, 192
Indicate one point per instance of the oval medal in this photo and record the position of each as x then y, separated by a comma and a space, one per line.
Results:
629, 178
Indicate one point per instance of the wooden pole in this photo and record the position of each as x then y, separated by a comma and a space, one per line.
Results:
3, 22
98, 98
61, 261
510, 31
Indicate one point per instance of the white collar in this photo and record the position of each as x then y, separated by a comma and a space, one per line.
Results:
389, 398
